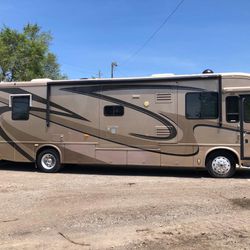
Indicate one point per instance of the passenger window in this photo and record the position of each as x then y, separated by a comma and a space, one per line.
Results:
20, 107
202, 105
232, 109
113, 110
247, 109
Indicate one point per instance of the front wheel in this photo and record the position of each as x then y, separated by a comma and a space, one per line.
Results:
48, 161
221, 165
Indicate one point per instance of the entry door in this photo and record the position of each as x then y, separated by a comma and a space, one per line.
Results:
245, 127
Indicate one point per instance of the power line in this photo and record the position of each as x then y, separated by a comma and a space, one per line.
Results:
154, 33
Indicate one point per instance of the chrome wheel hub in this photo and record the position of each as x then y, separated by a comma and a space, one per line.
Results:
221, 165
48, 161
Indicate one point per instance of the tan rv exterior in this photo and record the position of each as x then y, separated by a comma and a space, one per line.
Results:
190, 120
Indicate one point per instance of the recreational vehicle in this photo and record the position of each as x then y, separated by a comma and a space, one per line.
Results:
198, 120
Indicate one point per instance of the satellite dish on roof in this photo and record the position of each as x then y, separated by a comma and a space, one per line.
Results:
207, 71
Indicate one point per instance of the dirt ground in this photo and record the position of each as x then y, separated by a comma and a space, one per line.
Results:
110, 208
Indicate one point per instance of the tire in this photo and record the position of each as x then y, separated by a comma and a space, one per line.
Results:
48, 161
221, 165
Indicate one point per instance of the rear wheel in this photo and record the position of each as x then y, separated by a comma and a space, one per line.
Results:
221, 165
48, 161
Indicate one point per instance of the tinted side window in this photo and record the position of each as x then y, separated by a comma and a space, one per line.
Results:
202, 105
232, 109
247, 109
113, 110
20, 107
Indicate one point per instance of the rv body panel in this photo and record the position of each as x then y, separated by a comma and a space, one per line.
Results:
127, 121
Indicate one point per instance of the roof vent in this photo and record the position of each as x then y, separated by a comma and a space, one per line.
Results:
162, 75
41, 80
207, 71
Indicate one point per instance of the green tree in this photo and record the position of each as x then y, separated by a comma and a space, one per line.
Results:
25, 55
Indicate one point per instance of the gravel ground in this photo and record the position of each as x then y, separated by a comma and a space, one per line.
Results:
118, 208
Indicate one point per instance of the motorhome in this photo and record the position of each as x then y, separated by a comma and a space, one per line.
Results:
200, 120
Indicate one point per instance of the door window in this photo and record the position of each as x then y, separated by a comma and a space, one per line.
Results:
232, 109
247, 109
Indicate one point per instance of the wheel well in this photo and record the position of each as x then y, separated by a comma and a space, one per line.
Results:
223, 151
46, 148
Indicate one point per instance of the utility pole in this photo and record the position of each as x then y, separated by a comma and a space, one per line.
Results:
113, 65
99, 74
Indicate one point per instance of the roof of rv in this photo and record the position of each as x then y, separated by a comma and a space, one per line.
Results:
155, 77
160, 77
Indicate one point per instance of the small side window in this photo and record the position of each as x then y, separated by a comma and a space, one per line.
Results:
20, 107
113, 110
232, 109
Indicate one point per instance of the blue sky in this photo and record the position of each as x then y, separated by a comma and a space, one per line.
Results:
90, 34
